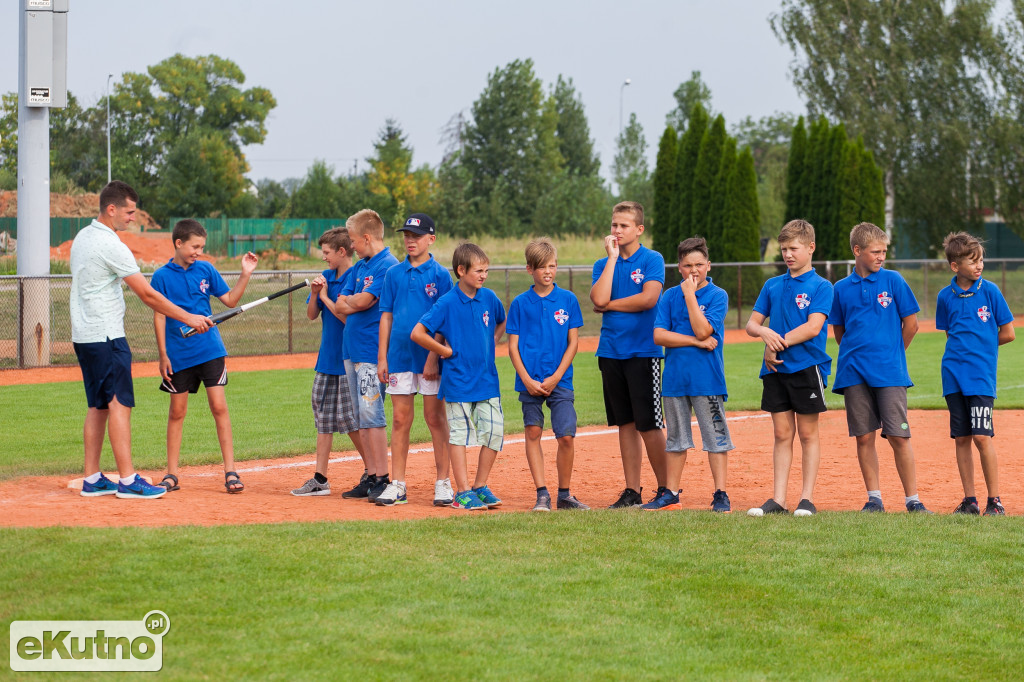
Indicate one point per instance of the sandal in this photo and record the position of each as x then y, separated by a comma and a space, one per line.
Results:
233, 483
170, 481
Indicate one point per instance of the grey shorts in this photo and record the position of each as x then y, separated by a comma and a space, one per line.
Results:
869, 409
710, 413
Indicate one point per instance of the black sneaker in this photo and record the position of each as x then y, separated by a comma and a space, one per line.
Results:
994, 507
628, 498
361, 489
769, 507
916, 507
967, 507
379, 484
873, 505
570, 503
805, 508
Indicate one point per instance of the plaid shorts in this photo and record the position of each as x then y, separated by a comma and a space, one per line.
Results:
484, 417
332, 404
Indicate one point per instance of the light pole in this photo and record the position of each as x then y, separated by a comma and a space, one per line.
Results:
109, 76
622, 89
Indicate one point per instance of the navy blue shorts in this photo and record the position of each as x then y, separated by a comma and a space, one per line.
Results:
107, 372
970, 415
563, 411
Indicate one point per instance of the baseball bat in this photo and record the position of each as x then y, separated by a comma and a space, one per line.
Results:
187, 331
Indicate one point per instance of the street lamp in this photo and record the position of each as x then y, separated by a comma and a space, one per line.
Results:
622, 89
109, 76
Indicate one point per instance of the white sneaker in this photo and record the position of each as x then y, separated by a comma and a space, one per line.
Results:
394, 493
443, 493
312, 487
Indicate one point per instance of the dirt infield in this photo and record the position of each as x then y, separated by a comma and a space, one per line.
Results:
202, 500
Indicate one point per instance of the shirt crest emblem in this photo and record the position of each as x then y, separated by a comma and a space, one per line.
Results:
884, 299
367, 281
637, 276
431, 290
984, 313
487, 318
204, 285
561, 317
802, 301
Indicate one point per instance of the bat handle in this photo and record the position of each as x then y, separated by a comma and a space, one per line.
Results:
187, 331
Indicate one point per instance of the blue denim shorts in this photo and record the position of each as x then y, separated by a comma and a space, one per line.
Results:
367, 394
563, 411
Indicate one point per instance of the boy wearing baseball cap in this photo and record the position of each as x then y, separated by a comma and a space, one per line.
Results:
411, 288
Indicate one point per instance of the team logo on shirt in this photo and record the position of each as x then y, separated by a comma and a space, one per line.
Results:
367, 281
702, 308
984, 313
561, 317
431, 288
802, 301
204, 285
884, 299
487, 318
637, 276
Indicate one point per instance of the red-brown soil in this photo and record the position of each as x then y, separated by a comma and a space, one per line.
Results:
71, 206
152, 248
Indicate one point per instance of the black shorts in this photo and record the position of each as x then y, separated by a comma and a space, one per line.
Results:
632, 392
802, 392
970, 415
210, 373
106, 372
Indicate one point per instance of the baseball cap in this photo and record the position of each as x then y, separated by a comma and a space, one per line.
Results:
418, 223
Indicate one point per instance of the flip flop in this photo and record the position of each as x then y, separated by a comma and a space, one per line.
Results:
170, 481
232, 483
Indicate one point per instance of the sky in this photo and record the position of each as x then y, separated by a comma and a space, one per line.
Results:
339, 70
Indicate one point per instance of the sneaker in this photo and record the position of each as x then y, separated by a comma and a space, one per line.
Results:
805, 508
993, 508
140, 490
379, 484
313, 487
543, 502
443, 493
104, 486
628, 498
720, 503
769, 507
874, 505
570, 503
361, 489
489, 499
665, 500
468, 500
916, 507
967, 508
393, 493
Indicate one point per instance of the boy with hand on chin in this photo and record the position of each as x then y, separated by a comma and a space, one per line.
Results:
471, 319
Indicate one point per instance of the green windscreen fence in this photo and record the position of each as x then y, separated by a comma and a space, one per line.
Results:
234, 236
61, 229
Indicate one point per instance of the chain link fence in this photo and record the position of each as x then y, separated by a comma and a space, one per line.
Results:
35, 327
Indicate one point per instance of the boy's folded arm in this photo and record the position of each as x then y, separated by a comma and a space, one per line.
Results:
360, 302
670, 339
1006, 333
645, 300
808, 330
312, 309
909, 329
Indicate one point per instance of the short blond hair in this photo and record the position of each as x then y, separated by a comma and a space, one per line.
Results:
368, 222
633, 207
796, 230
960, 245
465, 255
864, 234
539, 252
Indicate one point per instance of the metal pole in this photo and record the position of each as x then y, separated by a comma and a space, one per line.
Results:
622, 89
109, 76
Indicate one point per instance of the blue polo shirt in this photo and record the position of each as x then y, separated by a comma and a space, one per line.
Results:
408, 293
630, 335
542, 324
871, 311
690, 370
787, 302
468, 324
363, 328
331, 358
971, 320
190, 290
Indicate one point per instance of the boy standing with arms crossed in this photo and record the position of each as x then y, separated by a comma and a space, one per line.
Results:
626, 286
186, 362
691, 326
411, 288
874, 319
472, 320
543, 328
976, 319
796, 366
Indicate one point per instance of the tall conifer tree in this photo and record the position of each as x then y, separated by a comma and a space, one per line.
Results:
663, 219
689, 151
708, 163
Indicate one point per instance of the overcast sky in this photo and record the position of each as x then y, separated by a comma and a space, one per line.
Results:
338, 70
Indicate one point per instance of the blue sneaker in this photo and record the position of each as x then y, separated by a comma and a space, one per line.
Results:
468, 500
720, 503
873, 505
140, 490
104, 486
665, 500
489, 499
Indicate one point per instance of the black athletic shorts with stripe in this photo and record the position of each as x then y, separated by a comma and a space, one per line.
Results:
210, 373
802, 391
632, 392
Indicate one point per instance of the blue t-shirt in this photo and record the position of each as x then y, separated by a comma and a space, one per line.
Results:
787, 302
331, 359
542, 324
346, 284
468, 324
871, 311
971, 320
363, 328
630, 335
190, 290
408, 293
690, 370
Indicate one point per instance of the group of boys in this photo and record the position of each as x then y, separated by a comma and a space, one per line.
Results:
403, 329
